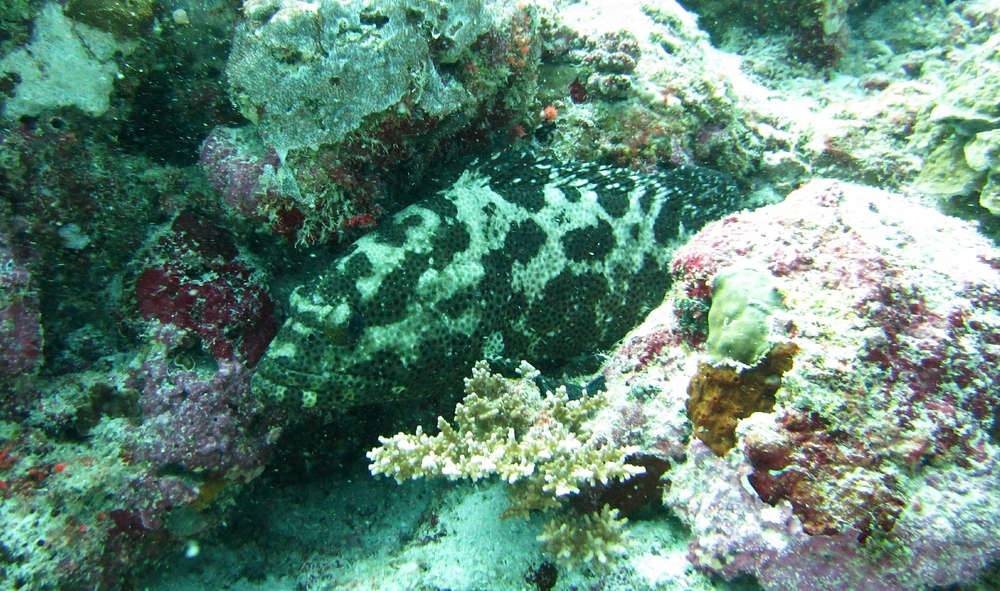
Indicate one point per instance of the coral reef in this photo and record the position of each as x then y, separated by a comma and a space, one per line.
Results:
595, 538
55, 504
208, 318
612, 59
74, 214
198, 420
835, 428
540, 446
240, 169
128, 442
745, 365
104, 469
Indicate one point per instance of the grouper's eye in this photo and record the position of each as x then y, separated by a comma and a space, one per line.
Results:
355, 326
344, 325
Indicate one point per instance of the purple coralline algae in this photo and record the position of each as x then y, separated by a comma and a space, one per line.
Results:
169, 429
20, 319
877, 468
200, 420
210, 318
237, 165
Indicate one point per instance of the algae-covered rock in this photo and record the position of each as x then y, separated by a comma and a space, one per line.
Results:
983, 155
962, 133
819, 28
742, 301
946, 173
308, 73
971, 105
649, 89
983, 152
868, 278
121, 18
66, 64
990, 197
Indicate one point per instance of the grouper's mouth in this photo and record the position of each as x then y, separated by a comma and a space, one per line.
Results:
280, 384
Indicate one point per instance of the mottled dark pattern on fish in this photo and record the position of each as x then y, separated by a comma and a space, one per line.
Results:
519, 259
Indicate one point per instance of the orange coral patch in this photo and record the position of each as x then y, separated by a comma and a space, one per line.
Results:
718, 397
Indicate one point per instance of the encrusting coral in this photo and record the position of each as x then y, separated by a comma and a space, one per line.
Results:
718, 397
540, 445
742, 301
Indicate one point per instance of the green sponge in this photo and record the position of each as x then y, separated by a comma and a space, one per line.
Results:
742, 300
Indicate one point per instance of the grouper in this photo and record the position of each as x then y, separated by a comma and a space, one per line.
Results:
519, 259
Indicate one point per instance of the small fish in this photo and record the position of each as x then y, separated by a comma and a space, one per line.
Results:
519, 259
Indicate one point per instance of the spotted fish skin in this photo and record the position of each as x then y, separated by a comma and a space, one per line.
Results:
519, 259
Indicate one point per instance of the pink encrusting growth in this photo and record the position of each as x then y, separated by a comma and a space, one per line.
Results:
876, 469
236, 164
209, 318
201, 286
200, 421
20, 319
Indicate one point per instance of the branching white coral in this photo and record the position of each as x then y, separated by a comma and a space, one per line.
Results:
597, 538
539, 445
504, 427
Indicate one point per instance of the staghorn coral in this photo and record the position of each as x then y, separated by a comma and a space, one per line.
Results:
596, 536
541, 446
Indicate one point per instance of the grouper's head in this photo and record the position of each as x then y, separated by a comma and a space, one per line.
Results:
367, 330
309, 361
